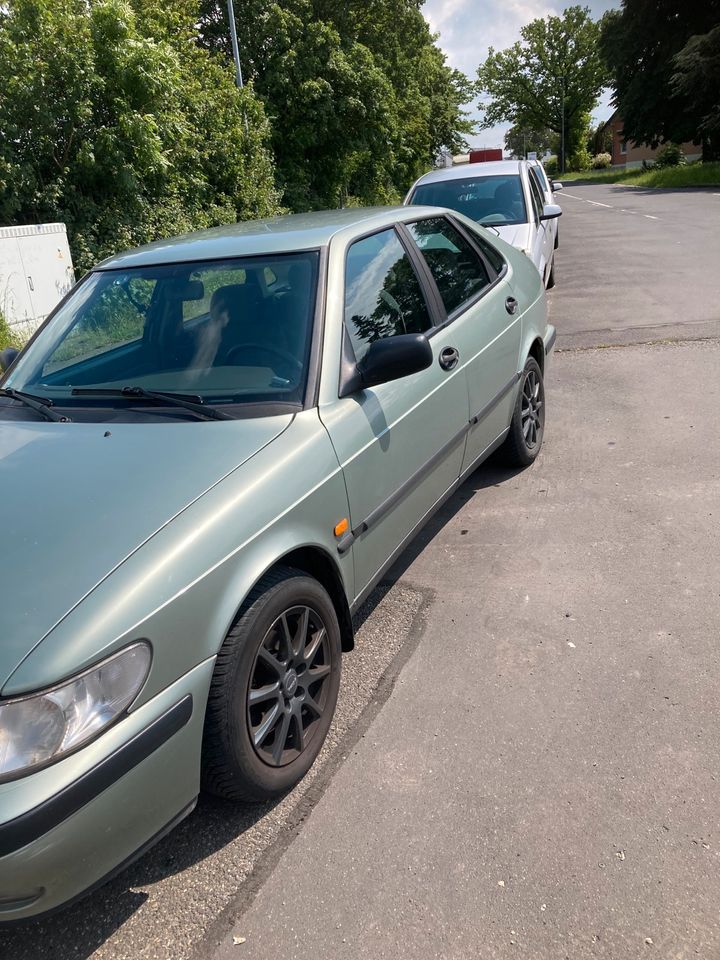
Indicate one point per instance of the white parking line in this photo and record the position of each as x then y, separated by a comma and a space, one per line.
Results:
595, 203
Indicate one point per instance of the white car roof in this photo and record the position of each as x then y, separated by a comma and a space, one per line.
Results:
466, 171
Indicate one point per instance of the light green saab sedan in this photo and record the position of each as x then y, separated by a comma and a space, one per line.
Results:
209, 454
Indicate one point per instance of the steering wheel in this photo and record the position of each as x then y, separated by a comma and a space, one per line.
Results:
507, 214
283, 355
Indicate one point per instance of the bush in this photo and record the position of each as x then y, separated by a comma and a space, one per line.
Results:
579, 160
551, 166
601, 161
7, 337
671, 155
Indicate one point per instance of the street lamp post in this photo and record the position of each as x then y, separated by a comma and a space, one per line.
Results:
235, 50
236, 54
562, 127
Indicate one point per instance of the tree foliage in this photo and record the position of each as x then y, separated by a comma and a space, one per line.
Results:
646, 44
696, 79
552, 78
521, 140
359, 95
117, 123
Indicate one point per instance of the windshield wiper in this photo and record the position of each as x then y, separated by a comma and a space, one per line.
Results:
41, 404
189, 402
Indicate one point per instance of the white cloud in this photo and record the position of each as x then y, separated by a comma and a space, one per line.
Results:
468, 28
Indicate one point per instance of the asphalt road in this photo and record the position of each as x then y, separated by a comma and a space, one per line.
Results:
525, 755
636, 265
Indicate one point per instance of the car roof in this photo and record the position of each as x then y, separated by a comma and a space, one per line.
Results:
286, 234
466, 171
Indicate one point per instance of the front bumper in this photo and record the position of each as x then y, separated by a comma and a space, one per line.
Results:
67, 828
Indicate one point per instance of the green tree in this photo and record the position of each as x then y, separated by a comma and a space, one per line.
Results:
522, 140
640, 44
117, 123
552, 78
359, 95
697, 80
600, 139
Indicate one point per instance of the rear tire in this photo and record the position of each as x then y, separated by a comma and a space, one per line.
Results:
274, 689
527, 426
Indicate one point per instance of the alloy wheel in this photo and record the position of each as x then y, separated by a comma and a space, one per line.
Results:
289, 686
533, 409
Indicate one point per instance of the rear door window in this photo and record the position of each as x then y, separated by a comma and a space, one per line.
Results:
383, 296
458, 271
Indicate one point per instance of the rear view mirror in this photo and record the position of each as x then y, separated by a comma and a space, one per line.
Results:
187, 290
551, 211
557, 186
390, 359
7, 358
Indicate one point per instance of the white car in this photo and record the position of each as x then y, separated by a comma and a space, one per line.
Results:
503, 195
548, 188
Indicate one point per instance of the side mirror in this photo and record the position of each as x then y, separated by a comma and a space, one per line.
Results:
557, 186
7, 358
551, 211
389, 359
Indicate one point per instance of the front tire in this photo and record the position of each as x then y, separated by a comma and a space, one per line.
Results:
274, 689
527, 426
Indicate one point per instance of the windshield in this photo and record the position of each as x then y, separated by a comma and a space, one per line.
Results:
226, 332
493, 200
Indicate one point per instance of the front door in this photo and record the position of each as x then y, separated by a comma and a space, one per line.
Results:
544, 237
400, 444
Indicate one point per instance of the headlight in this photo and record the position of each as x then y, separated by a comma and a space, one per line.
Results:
43, 727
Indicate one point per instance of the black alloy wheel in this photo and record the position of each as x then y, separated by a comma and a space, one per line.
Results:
290, 685
527, 426
532, 409
274, 689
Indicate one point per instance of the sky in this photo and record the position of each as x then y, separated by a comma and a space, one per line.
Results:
468, 27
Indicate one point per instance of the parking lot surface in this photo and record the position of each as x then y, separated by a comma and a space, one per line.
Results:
637, 264
525, 758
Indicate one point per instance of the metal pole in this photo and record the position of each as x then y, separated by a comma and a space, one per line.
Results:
235, 50
236, 54
562, 127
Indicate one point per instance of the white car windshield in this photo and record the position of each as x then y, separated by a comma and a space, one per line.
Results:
493, 200
223, 332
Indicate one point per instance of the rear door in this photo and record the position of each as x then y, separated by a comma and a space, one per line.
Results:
484, 317
400, 444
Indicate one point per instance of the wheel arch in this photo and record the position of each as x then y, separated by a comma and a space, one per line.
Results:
317, 563
537, 351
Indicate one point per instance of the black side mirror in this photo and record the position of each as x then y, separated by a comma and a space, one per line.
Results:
389, 359
7, 357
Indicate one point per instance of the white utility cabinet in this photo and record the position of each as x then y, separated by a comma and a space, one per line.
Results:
36, 272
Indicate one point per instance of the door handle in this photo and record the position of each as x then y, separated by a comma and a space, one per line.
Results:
448, 358
511, 304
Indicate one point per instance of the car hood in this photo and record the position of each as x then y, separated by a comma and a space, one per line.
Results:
516, 234
77, 499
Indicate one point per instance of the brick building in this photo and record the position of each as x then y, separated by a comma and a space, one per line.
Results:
626, 153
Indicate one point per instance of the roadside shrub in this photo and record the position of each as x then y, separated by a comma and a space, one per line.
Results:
551, 166
601, 161
7, 338
671, 155
579, 160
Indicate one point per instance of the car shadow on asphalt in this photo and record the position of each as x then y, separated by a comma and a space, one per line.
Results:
78, 931
494, 472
